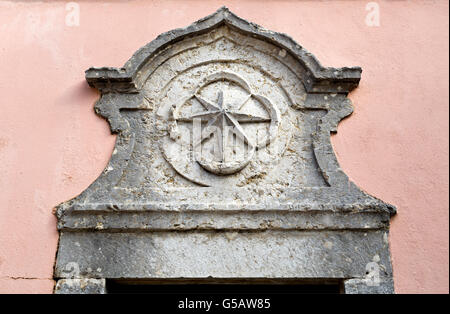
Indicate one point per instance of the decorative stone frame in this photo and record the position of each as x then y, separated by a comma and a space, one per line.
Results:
115, 230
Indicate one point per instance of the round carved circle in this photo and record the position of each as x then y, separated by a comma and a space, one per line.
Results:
224, 123
224, 98
223, 108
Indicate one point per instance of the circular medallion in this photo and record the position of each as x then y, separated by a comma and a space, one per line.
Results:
224, 122
223, 97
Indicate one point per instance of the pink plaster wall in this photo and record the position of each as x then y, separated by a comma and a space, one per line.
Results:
395, 145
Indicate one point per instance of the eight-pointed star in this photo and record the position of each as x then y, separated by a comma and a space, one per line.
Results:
220, 117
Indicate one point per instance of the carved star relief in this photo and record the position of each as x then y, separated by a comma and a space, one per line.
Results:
215, 122
224, 119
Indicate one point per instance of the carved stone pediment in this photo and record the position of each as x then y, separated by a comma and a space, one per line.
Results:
222, 127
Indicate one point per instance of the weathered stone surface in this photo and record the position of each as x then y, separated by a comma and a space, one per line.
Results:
270, 254
224, 219
360, 286
223, 166
80, 286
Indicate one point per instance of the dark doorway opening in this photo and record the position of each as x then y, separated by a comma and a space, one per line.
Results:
224, 286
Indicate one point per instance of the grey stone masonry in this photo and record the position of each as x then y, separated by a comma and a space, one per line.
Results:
80, 286
223, 168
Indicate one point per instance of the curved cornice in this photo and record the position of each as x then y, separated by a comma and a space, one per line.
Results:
318, 79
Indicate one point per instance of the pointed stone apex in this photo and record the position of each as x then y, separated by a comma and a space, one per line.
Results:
223, 9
